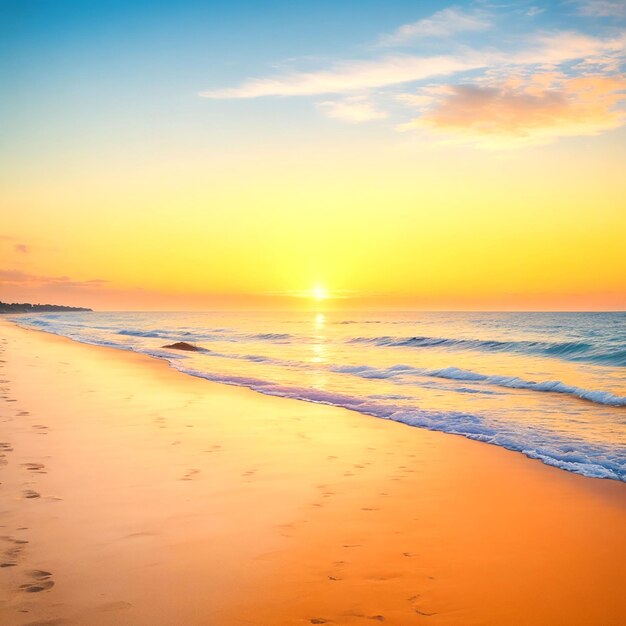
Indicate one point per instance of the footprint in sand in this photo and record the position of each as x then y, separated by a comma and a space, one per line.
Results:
40, 427
11, 553
190, 474
413, 600
31, 494
23, 414
4, 448
37, 468
41, 581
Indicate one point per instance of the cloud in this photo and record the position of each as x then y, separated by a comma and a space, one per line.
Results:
349, 76
602, 8
531, 88
354, 110
564, 46
533, 11
9, 242
537, 111
20, 278
355, 76
444, 23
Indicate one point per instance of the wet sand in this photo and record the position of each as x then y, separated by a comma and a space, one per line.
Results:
132, 494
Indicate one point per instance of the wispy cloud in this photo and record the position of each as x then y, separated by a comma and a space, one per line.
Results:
444, 23
354, 76
349, 76
563, 46
533, 11
354, 110
602, 8
21, 278
525, 112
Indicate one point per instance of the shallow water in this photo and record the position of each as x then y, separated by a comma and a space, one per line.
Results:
550, 385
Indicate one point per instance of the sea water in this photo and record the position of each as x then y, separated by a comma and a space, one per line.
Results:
549, 385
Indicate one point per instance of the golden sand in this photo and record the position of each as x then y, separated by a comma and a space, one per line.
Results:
135, 495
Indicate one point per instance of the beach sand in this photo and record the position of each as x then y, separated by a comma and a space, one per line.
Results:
132, 494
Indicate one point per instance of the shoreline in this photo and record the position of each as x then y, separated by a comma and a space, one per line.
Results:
181, 500
450, 427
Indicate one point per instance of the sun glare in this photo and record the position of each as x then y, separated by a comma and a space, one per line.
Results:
319, 293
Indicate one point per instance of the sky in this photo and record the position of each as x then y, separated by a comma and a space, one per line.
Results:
250, 154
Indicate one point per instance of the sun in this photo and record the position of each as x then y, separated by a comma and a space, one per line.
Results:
319, 292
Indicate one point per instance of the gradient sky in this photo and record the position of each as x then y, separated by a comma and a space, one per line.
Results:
414, 155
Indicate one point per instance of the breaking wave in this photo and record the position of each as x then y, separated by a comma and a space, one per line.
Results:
511, 382
568, 350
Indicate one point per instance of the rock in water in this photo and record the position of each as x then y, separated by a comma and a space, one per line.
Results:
182, 345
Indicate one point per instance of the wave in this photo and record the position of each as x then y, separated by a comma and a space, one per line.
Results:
279, 337
569, 350
144, 333
579, 457
220, 334
510, 382
451, 373
400, 371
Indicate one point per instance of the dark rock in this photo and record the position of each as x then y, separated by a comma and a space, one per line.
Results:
182, 345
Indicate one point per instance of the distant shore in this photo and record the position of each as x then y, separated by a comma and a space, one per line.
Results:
133, 494
27, 307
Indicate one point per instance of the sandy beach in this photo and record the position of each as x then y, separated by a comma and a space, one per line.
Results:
132, 494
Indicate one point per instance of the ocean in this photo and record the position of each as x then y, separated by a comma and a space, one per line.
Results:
549, 385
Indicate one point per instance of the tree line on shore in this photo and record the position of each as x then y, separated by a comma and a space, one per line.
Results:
26, 307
